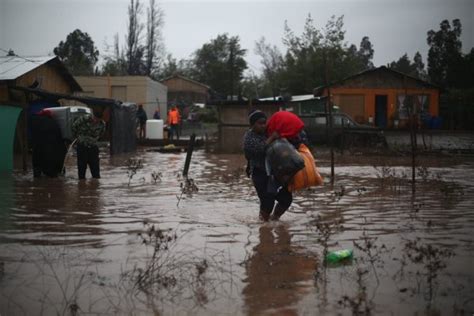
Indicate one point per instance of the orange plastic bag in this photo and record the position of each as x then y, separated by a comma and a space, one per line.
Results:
308, 176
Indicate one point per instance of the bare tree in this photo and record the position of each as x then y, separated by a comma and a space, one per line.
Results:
154, 39
134, 49
272, 62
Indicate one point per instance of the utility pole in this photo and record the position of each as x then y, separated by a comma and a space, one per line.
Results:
231, 62
329, 116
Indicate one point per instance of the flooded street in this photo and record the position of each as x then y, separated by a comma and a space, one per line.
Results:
152, 245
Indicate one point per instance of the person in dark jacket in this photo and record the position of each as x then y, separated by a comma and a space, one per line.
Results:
49, 148
87, 129
156, 115
142, 118
255, 142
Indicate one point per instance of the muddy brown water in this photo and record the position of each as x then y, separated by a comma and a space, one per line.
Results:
69, 247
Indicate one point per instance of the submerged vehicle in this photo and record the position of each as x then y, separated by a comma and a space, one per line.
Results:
346, 131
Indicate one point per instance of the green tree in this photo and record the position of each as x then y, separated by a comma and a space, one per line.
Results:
220, 64
419, 66
403, 65
171, 66
366, 52
319, 55
406, 66
444, 55
272, 62
78, 53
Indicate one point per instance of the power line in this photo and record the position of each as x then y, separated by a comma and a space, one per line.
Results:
16, 55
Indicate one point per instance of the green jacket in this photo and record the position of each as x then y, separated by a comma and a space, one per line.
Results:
87, 130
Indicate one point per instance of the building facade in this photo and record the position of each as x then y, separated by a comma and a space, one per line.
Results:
383, 97
135, 89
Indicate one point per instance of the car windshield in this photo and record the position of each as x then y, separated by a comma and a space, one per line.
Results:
340, 120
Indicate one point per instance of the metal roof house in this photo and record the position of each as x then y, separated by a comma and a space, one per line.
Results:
46, 73
382, 96
305, 104
185, 92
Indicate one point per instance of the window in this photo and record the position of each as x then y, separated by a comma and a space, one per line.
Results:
412, 103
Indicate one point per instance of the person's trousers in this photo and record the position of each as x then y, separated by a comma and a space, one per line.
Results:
173, 130
88, 155
267, 198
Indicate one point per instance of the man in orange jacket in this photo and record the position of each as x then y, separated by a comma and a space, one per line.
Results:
173, 122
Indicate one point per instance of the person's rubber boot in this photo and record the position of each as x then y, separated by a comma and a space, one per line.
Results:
278, 212
264, 216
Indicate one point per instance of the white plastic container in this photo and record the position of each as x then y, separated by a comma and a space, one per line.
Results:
154, 129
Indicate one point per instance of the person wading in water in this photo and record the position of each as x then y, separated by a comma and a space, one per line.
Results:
255, 143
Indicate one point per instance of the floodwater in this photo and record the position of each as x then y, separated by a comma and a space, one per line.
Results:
163, 248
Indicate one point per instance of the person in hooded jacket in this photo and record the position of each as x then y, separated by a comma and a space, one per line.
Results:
255, 144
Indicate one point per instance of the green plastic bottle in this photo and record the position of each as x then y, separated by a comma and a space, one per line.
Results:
339, 255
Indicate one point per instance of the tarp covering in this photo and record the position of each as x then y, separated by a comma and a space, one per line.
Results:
8, 120
124, 126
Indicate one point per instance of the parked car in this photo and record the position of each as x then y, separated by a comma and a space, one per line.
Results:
346, 131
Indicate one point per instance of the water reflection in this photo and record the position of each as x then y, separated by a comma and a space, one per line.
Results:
6, 200
278, 273
55, 212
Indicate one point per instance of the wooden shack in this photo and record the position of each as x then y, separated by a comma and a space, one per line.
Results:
45, 73
233, 121
383, 97
185, 91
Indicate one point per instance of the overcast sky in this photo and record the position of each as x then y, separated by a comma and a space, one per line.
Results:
35, 27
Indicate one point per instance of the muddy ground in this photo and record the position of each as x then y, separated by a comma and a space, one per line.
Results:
155, 244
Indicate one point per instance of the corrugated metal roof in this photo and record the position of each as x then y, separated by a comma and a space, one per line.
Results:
294, 98
12, 67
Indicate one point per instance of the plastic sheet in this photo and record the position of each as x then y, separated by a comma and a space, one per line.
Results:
124, 125
284, 160
8, 119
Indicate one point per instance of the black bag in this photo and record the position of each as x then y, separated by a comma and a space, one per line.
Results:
283, 160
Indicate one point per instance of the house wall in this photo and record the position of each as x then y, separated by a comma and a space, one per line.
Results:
49, 78
3, 92
157, 97
136, 89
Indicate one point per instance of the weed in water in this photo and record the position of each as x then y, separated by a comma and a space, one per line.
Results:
433, 259
359, 303
368, 246
423, 173
133, 165
156, 176
172, 274
188, 187
325, 230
